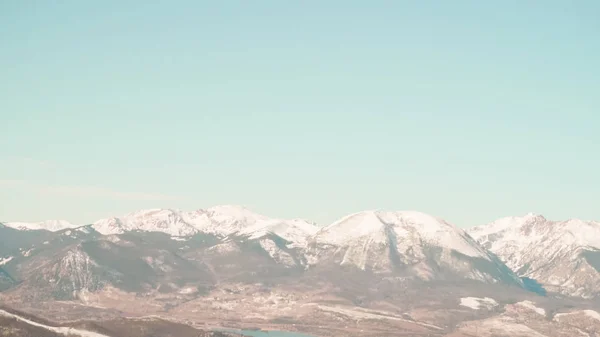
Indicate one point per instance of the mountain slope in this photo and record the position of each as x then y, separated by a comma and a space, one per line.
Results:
408, 243
295, 232
136, 262
563, 256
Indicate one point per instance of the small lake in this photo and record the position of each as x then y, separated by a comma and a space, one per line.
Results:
265, 333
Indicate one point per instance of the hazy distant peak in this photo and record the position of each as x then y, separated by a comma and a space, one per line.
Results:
49, 225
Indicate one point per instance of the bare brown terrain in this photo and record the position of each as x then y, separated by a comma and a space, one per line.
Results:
22, 324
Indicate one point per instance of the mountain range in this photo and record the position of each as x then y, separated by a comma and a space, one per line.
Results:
564, 256
227, 260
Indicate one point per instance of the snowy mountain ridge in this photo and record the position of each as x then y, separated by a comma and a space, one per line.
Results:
219, 220
407, 243
561, 255
49, 225
405, 224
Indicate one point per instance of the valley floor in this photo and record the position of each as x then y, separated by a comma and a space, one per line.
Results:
324, 313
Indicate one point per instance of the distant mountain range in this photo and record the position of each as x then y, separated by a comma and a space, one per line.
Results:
170, 258
563, 257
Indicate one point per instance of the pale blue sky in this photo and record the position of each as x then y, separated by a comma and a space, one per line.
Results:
468, 110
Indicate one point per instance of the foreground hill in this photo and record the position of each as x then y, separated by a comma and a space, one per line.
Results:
18, 324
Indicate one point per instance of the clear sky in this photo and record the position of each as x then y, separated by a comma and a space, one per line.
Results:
468, 110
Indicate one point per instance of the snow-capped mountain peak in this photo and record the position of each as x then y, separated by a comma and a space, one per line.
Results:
506, 223
351, 226
407, 242
152, 220
219, 220
533, 229
405, 224
236, 211
295, 231
228, 219
49, 225
161, 212
558, 254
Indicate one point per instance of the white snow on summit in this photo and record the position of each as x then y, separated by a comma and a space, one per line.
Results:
415, 244
49, 225
517, 233
168, 221
219, 220
551, 252
228, 219
296, 231
406, 226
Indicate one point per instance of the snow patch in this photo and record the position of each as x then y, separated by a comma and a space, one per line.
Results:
531, 306
592, 314
61, 330
188, 290
296, 232
84, 229
6, 260
225, 248
276, 253
477, 303
374, 315
498, 326
589, 313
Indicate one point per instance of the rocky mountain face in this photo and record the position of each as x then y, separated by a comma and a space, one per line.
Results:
563, 256
407, 243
